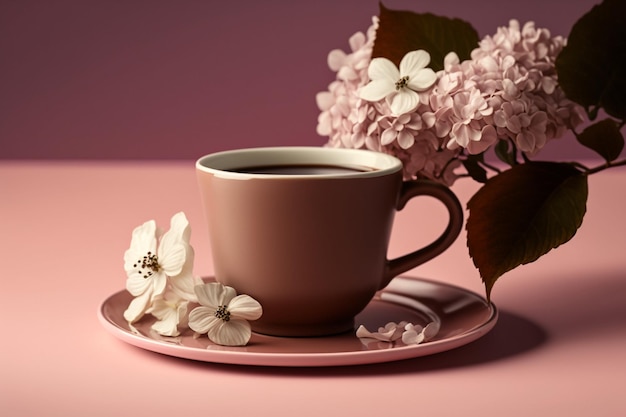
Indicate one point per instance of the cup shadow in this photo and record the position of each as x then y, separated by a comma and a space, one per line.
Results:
512, 335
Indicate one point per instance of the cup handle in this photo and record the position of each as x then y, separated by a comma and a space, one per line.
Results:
442, 193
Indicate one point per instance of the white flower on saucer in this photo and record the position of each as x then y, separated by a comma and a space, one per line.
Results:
171, 312
414, 335
389, 333
409, 333
152, 258
223, 314
399, 86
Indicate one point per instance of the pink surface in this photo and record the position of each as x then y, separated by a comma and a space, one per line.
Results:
557, 349
178, 79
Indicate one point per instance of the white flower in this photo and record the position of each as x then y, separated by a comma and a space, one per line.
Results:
399, 86
171, 311
390, 333
151, 259
409, 333
223, 314
414, 335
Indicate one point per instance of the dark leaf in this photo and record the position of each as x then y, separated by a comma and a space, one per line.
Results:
523, 213
603, 137
505, 152
592, 67
474, 169
400, 32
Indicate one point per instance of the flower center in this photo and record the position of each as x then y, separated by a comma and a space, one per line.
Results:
402, 82
148, 265
222, 313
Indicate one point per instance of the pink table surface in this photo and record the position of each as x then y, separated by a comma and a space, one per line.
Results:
559, 347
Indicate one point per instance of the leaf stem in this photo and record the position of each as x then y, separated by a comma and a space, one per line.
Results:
605, 166
491, 167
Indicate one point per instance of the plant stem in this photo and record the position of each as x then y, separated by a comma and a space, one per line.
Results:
606, 166
489, 166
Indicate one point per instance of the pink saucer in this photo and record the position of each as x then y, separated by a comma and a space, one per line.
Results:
463, 315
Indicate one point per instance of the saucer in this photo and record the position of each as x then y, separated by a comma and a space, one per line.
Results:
463, 316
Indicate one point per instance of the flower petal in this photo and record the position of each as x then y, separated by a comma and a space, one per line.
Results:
169, 313
201, 319
143, 240
214, 294
405, 139
384, 335
412, 337
174, 245
413, 62
180, 225
137, 307
488, 137
383, 69
431, 330
404, 101
336, 59
450, 60
172, 255
422, 79
376, 90
184, 285
388, 136
137, 284
244, 307
230, 333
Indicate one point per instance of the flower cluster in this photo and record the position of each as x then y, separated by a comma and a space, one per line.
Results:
352, 122
159, 276
453, 97
506, 91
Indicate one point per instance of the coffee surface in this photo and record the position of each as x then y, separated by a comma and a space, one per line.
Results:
301, 169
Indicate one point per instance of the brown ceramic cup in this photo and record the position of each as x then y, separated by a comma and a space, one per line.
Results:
305, 231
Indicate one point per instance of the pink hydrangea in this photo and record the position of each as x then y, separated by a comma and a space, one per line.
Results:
351, 122
508, 90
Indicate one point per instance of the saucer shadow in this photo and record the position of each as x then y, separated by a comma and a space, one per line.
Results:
511, 336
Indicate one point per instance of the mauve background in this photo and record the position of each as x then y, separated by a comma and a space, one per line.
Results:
156, 79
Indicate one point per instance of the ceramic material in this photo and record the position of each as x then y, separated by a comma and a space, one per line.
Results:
463, 316
311, 248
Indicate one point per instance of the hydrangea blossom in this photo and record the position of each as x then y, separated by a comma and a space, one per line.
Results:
507, 91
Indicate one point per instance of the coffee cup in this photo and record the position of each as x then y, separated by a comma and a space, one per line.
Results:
305, 231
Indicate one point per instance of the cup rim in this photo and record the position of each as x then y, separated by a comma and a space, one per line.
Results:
221, 164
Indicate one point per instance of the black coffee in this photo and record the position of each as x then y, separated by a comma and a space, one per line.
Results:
301, 169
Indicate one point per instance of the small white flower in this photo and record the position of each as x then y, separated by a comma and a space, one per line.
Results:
409, 333
414, 335
390, 333
171, 311
223, 314
151, 259
399, 86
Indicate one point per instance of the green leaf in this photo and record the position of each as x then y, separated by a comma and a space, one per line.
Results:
522, 214
400, 32
592, 67
474, 169
605, 138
